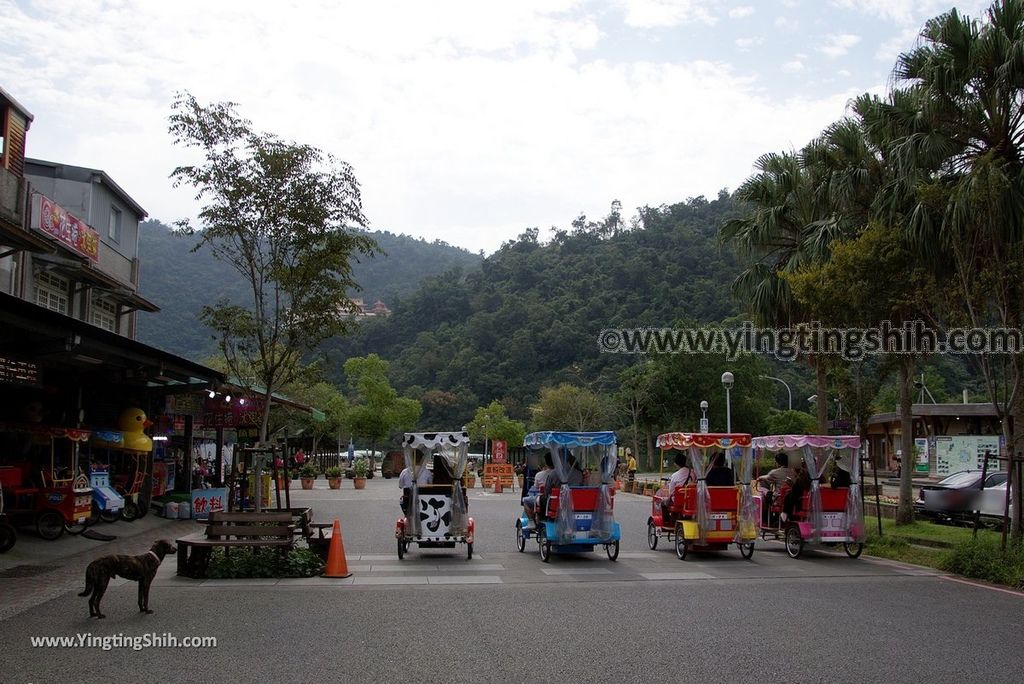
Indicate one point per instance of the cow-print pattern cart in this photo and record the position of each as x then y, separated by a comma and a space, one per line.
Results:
436, 514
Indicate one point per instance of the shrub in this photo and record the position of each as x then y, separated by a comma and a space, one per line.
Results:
333, 472
246, 563
308, 472
361, 467
983, 559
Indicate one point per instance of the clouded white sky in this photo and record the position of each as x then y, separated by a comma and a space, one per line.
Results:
467, 120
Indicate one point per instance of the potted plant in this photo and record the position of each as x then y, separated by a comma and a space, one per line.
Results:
307, 475
469, 478
360, 470
334, 477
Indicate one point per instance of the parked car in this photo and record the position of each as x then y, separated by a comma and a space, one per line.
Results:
958, 496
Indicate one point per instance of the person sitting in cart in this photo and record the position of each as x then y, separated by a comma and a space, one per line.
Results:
681, 477
777, 476
801, 485
576, 477
840, 474
405, 479
539, 480
720, 474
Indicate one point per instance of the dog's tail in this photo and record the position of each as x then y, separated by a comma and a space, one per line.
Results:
88, 584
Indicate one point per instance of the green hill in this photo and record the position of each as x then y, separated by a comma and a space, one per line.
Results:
180, 282
531, 315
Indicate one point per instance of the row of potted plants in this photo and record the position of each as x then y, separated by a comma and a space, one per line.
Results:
359, 472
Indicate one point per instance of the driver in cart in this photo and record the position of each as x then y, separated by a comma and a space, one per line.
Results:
425, 477
682, 476
539, 480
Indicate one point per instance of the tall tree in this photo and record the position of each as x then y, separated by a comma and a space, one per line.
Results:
287, 217
780, 232
968, 77
376, 412
491, 422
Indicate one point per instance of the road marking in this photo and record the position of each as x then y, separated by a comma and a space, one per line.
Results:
464, 579
576, 571
982, 586
675, 575
251, 582
316, 581
403, 567
415, 579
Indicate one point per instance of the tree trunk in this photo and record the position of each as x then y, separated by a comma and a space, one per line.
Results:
1015, 447
905, 510
636, 438
822, 388
265, 424
649, 458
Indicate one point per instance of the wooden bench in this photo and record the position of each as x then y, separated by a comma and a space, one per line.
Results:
234, 530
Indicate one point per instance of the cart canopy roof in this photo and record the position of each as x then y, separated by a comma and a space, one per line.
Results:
704, 440
432, 440
538, 440
780, 442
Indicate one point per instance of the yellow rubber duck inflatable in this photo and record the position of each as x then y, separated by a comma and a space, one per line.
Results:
132, 423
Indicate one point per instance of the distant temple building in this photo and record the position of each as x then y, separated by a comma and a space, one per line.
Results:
378, 309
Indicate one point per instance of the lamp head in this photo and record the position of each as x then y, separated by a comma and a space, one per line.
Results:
703, 406
728, 380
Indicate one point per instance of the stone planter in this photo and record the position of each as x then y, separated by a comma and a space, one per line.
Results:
307, 482
334, 482
359, 482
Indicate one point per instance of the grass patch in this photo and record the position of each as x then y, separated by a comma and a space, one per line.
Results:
983, 559
921, 529
899, 549
246, 563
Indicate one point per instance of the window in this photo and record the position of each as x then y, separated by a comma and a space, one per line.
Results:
114, 232
104, 314
52, 292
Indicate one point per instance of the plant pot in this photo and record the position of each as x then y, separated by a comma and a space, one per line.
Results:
522, 481
359, 482
307, 482
469, 482
334, 482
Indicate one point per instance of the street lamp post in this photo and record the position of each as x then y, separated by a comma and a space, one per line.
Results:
704, 416
784, 384
727, 382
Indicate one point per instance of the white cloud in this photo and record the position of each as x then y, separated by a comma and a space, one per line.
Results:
741, 12
890, 49
845, 73
793, 66
660, 13
464, 123
745, 44
837, 45
910, 11
786, 24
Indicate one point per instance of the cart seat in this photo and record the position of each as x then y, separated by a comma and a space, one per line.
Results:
832, 500
720, 500
584, 499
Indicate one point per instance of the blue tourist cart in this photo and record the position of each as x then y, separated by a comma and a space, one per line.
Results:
572, 511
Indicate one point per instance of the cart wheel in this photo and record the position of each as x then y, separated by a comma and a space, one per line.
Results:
469, 550
108, 517
520, 537
794, 544
401, 549
545, 545
94, 514
8, 537
853, 549
747, 550
77, 528
652, 535
143, 510
612, 550
682, 546
50, 525
130, 511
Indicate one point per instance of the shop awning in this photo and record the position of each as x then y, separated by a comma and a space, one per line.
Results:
58, 343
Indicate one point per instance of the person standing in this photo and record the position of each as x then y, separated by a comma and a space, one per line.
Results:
630, 465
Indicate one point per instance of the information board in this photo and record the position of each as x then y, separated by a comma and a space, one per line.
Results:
965, 452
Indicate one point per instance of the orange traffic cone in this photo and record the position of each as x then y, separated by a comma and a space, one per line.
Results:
337, 566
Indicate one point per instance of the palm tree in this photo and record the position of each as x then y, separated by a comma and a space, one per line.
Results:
778, 235
967, 133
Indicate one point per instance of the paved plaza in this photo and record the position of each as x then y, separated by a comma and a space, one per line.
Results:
506, 616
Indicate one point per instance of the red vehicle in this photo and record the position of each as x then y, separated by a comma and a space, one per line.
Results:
821, 515
701, 517
44, 486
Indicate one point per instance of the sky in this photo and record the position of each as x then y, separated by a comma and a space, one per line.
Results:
465, 121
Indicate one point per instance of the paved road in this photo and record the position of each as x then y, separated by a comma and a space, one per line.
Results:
505, 616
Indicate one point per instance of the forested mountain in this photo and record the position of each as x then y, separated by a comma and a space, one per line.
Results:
180, 282
531, 315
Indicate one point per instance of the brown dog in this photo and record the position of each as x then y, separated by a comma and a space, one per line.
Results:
141, 569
